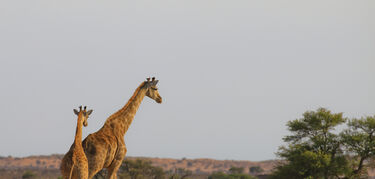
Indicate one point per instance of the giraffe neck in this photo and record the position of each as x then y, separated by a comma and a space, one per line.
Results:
78, 136
121, 120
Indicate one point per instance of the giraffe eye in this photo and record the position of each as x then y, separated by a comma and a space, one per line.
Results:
154, 88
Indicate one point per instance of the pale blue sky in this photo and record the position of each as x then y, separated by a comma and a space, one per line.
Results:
232, 73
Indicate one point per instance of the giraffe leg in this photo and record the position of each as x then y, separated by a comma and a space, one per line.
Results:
115, 165
112, 170
92, 173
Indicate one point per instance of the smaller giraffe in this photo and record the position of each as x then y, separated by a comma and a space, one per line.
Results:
74, 164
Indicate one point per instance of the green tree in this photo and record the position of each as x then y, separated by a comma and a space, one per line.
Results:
360, 144
313, 150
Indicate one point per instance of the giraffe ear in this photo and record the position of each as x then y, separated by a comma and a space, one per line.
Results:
155, 82
76, 112
89, 112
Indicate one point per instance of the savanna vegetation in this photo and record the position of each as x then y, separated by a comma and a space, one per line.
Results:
133, 167
233, 173
143, 169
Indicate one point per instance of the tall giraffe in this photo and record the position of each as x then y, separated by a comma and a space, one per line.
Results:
74, 164
106, 147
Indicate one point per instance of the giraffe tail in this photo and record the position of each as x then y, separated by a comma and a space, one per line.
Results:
71, 172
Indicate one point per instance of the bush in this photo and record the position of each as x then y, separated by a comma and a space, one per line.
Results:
140, 169
255, 170
222, 175
28, 175
236, 170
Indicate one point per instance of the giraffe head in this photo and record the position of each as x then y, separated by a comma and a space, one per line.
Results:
83, 114
152, 90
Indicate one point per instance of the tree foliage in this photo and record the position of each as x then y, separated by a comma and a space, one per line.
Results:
360, 144
316, 150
